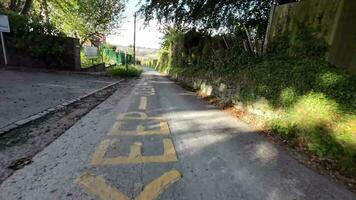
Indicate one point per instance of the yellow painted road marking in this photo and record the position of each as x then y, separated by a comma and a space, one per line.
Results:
97, 186
135, 156
133, 115
143, 103
145, 94
101, 150
140, 129
164, 128
136, 150
156, 187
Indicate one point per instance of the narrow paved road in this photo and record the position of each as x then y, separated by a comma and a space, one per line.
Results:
161, 142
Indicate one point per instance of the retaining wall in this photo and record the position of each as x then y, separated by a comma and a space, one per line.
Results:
69, 59
332, 20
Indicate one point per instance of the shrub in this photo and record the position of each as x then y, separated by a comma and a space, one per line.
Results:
87, 62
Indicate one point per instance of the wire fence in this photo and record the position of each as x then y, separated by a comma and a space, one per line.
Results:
118, 58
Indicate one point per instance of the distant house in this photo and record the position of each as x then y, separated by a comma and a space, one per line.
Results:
96, 40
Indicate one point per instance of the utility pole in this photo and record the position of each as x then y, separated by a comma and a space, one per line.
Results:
134, 45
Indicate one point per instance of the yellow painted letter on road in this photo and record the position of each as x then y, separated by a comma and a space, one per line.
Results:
135, 156
96, 185
139, 130
143, 103
156, 187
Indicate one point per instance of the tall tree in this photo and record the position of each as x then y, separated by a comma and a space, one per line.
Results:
209, 14
83, 18
215, 16
21, 6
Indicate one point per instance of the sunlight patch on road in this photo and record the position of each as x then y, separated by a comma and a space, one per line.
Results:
195, 143
264, 152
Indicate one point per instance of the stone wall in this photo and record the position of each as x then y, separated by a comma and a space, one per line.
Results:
68, 60
333, 20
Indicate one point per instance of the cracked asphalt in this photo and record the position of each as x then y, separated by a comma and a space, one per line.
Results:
161, 142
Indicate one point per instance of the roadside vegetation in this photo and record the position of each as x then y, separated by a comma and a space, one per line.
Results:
79, 19
40, 28
86, 62
303, 99
29, 35
125, 71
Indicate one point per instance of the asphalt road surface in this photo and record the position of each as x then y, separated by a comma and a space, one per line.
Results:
24, 93
161, 142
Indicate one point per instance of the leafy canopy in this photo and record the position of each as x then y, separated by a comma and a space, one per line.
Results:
76, 18
209, 14
85, 18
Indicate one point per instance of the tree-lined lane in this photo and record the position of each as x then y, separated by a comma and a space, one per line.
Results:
161, 142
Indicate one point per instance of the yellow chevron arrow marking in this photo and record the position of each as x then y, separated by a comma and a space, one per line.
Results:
96, 185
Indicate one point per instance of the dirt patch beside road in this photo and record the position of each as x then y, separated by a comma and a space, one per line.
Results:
18, 146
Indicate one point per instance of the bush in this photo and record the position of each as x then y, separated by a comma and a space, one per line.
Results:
88, 62
119, 70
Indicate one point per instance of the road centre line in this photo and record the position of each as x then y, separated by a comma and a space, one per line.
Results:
143, 103
97, 185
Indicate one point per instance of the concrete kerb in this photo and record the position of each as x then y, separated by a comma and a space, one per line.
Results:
41, 114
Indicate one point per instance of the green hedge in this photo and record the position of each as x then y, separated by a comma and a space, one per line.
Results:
122, 71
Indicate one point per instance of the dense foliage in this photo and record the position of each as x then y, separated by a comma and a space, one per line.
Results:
81, 19
86, 18
22, 7
248, 18
313, 103
28, 34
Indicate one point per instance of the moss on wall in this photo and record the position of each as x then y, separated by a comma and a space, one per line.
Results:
332, 20
343, 46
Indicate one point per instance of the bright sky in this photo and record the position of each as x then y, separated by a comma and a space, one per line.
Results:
148, 36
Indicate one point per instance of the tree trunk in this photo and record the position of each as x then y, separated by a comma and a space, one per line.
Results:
249, 39
12, 4
44, 11
27, 7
